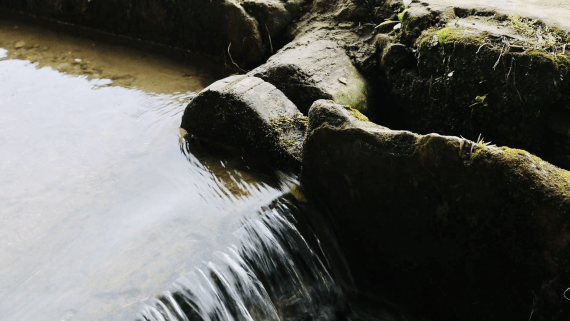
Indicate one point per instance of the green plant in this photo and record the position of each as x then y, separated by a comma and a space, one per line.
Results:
481, 99
480, 143
402, 15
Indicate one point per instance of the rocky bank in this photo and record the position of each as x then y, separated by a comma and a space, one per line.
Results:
446, 223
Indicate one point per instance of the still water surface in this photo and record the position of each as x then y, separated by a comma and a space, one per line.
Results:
100, 209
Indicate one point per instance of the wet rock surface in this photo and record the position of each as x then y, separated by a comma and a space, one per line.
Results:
462, 230
313, 68
248, 113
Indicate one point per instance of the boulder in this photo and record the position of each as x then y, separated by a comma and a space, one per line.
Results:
250, 114
479, 75
206, 26
273, 16
456, 229
313, 68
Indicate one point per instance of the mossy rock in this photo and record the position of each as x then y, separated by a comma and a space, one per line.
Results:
250, 114
456, 229
452, 67
312, 68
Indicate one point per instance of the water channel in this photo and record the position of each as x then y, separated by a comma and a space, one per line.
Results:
109, 213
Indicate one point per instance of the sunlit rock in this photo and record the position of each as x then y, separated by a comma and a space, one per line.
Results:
314, 68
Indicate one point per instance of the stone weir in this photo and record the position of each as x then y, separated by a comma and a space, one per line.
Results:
447, 224
451, 226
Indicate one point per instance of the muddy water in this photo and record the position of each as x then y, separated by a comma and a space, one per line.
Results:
100, 210
127, 67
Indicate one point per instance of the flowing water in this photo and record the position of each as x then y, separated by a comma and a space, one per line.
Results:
108, 213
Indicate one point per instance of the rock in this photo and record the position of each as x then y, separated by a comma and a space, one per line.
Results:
251, 114
19, 44
207, 26
459, 229
309, 69
240, 30
495, 90
397, 57
273, 16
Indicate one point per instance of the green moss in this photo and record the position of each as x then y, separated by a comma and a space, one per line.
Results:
568, 38
540, 53
426, 36
449, 35
288, 142
563, 61
560, 61
358, 115
513, 153
477, 154
548, 36
283, 124
518, 163
354, 93
525, 26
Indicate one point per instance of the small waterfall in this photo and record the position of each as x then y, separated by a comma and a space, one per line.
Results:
269, 273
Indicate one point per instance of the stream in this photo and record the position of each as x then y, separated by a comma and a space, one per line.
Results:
109, 213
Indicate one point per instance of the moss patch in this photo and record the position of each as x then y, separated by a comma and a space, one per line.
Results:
354, 93
466, 84
286, 127
537, 33
354, 112
521, 163
288, 142
448, 36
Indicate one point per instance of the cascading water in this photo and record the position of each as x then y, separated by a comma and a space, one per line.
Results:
269, 273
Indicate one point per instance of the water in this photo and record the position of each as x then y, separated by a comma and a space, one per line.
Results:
269, 273
109, 213
100, 209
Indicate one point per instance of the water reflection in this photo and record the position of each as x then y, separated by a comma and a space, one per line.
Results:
100, 210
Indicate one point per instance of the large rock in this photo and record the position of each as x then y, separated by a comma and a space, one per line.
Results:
274, 16
248, 113
479, 75
313, 68
207, 26
459, 229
